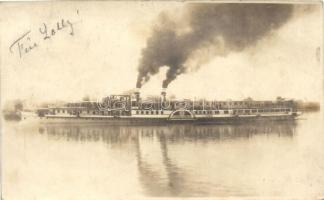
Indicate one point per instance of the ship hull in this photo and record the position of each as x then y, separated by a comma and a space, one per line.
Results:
154, 121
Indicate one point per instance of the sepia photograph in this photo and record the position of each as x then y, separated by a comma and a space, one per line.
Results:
161, 100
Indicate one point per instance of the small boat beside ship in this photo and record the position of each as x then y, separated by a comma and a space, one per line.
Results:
132, 109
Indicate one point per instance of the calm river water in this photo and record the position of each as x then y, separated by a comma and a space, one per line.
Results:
105, 162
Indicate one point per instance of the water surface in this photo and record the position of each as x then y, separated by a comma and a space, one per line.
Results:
104, 162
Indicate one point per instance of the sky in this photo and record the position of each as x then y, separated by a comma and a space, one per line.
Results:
102, 56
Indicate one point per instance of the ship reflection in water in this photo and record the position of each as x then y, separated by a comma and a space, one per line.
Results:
189, 160
170, 133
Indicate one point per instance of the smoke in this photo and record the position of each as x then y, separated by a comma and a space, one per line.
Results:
236, 26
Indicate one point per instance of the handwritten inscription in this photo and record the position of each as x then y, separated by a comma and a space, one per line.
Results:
24, 44
50, 32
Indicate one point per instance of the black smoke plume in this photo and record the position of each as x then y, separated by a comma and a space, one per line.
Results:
237, 25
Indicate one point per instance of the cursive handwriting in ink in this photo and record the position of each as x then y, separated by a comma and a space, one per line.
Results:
48, 33
23, 44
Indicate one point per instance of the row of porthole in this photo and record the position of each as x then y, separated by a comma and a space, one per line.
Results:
241, 111
88, 112
152, 112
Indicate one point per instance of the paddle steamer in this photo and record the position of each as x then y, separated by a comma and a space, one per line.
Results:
132, 109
